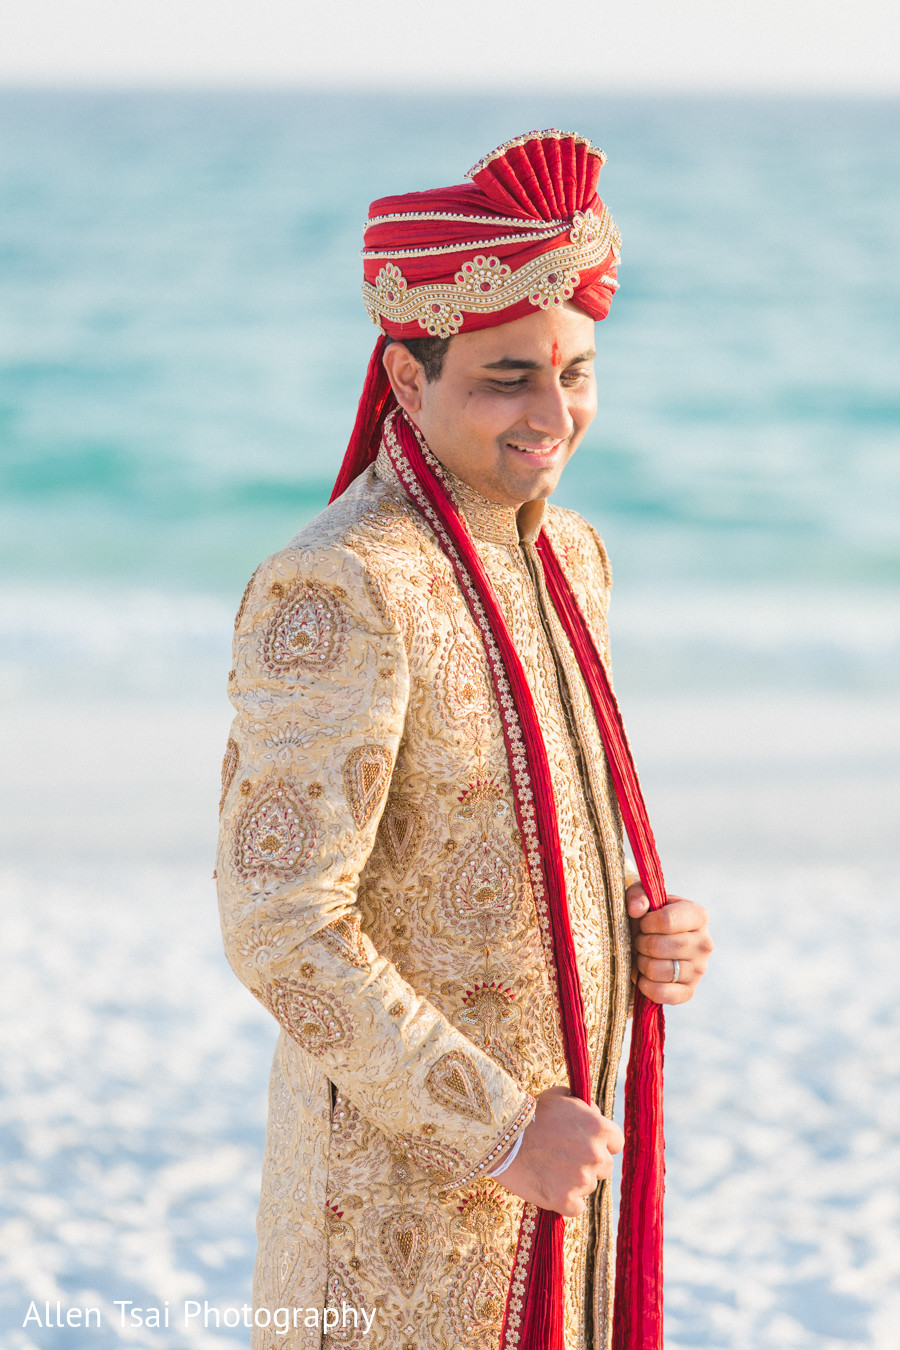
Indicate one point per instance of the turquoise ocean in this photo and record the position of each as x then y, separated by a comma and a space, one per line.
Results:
182, 344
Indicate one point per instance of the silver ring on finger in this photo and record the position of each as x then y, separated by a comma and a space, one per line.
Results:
676, 971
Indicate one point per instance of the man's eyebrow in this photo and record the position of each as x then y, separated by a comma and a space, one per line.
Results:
513, 363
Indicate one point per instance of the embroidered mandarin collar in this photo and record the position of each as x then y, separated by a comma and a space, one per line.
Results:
490, 522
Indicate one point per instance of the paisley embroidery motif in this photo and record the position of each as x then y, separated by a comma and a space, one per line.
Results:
403, 831
403, 1238
307, 633
344, 938
286, 1261
481, 887
463, 685
367, 771
314, 1021
275, 836
477, 1303
437, 1160
229, 769
343, 1291
454, 1082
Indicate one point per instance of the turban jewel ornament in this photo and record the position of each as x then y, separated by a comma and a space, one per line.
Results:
527, 231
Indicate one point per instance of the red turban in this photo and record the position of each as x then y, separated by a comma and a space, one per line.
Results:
527, 231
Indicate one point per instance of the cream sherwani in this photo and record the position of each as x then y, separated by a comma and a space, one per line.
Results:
374, 897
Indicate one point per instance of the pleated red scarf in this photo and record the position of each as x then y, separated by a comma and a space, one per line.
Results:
534, 1316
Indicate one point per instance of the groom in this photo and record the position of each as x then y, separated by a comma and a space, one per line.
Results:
421, 865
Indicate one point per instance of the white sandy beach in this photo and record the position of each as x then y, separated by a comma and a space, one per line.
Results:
136, 1064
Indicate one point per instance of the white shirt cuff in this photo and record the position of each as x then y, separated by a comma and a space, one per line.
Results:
509, 1159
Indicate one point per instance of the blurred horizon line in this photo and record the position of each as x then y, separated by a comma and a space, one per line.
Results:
659, 91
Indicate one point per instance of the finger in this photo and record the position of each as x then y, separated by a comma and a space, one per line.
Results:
663, 972
674, 947
678, 916
615, 1140
636, 901
668, 993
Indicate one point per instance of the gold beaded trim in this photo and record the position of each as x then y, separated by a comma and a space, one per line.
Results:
550, 135
461, 247
500, 1146
515, 221
484, 285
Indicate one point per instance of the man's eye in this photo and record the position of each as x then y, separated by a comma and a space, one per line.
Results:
508, 384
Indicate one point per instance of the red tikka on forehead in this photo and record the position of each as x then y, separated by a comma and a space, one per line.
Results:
555, 356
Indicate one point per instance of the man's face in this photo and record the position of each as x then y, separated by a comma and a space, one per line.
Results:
512, 403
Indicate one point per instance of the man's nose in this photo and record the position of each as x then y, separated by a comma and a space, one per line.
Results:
548, 412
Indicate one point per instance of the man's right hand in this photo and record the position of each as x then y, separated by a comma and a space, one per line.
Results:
566, 1151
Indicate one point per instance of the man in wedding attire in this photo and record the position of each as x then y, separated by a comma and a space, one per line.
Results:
421, 867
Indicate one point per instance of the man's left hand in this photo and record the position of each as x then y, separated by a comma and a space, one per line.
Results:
667, 943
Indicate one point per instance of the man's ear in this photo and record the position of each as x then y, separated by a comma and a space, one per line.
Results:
406, 375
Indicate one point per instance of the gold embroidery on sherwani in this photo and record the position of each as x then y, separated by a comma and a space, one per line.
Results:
477, 1300
466, 695
243, 604
306, 632
345, 938
403, 1238
343, 1291
481, 886
436, 1159
315, 1020
366, 773
229, 769
490, 1011
338, 1165
275, 835
404, 830
454, 1082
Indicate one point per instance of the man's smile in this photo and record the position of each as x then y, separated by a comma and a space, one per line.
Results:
522, 447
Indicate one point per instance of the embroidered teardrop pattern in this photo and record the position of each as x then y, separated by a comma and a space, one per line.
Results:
403, 832
275, 836
480, 889
466, 696
404, 1242
343, 1291
315, 1021
437, 1160
477, 1303
344, 938
367, 771
307, 633
454, 1082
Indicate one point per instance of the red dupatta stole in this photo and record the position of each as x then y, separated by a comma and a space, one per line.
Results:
534, 1315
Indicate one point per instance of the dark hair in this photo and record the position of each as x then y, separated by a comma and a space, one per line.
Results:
429, 352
